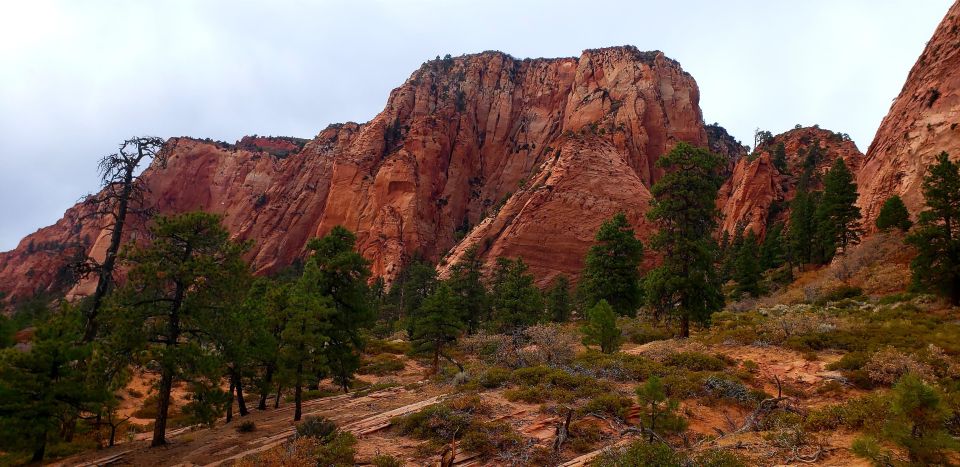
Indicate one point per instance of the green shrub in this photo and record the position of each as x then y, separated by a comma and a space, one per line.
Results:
439, 423
320, 428
381, 346
854, 414
839, 293
695, 361
246, 426
584, 435
381, 365
386, 460
870, 449
338, 451
850, 361
717, 458
609, 404
494, 377
640, 454
619, 366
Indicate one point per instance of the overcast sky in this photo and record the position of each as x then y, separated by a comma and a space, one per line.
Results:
77, 77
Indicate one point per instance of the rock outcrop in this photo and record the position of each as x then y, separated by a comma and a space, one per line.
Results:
923, 121
757, 193
460, 137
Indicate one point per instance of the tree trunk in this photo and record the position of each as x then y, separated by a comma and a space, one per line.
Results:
264, 392
41, 447
163, 405
241, 404
436, 360
298, 393
113, 434
684, 326
276, 400
105, 273
230, 401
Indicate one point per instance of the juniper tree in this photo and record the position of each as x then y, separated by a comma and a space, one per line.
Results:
837, 216
894, 215
438, 324
515, 299
611, 270
937, 233
601, 328
175, 291
684, 208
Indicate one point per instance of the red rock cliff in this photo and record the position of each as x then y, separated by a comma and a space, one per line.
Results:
459, 137
923, 121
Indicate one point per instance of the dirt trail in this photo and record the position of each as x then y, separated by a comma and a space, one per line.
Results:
360, 415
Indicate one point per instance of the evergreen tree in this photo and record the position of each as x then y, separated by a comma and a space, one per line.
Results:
336, 270
42, 387
802, 227
728, 253
438, 324
685, 210
779, 158
918, 420
612, 271
558, 299
652, 396
276, 311
837, 215
466, 283
302, 355
894, 214
414, 284
601, 328
516, 300
937, 234
772, 253
747, 273
169, 306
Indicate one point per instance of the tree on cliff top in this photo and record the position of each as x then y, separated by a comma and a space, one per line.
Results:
684, 208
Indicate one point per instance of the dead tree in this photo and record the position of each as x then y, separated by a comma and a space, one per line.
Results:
122, 194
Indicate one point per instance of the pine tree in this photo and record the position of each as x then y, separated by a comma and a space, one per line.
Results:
802, 227
336, 270
438, 324
175, 289
780, 158
937, 234
601, 328
918, 420
612, 266
466, 283
516, 300
42, 386
558, 299
837, 215
302, 355
652, 396
684, 208
894, 214
747, 273
771, 249
414, 284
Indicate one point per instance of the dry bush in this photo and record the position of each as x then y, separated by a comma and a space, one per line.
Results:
887, 365
550, 344
493, 349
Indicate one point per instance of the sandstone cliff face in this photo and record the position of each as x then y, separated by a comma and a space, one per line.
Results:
923, 121
757, 190
459, 137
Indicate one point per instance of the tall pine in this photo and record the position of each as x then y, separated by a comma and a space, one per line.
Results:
684, 208
937, 233
837, 215
517, 302
612, 266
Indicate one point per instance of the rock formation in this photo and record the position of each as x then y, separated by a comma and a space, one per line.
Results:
757, 190
923, 121
460, 137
